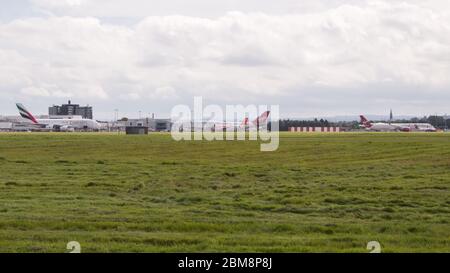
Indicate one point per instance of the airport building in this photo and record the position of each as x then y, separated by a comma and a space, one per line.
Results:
160, 125
6, 126
70, 109
153, 125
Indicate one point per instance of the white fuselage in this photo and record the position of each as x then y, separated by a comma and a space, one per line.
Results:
70, 123
416, 127
410, 127
381, 127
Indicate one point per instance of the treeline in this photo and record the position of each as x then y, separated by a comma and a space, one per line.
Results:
440, 122
286, 123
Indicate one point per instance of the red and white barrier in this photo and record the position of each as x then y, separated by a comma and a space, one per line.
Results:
314, 129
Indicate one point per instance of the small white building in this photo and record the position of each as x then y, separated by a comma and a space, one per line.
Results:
154, 125
6, 126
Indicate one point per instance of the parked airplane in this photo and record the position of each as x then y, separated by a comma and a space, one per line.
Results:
389, 127
261, 121
61, 124
257, 123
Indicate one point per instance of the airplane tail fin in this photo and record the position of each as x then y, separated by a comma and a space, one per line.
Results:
262, 119
244, 122
25, 113
364, 121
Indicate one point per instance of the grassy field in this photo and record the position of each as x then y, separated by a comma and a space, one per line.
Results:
317, 193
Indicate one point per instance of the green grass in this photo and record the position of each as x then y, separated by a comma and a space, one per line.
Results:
317, 193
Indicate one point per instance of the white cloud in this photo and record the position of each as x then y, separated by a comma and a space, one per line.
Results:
35, 91
47, 91
234, 58
50, 4
205, 8
164, 92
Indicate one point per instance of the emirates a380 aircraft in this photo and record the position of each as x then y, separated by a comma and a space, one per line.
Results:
63, 124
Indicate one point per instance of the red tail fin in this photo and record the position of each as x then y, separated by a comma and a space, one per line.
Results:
262, 119
244, 122
364, 121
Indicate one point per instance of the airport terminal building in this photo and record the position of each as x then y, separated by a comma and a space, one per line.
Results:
70, 109
153, 125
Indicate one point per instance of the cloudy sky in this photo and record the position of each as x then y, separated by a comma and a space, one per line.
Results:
312, 57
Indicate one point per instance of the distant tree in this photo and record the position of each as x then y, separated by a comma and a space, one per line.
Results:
436, 121
285, 124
